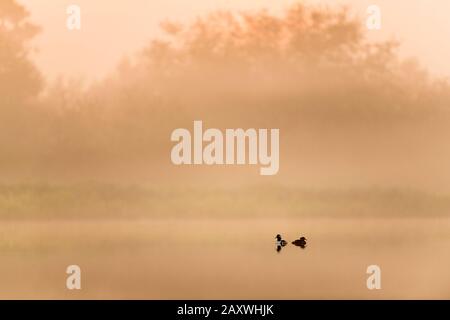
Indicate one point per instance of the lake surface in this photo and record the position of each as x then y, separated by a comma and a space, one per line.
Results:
226, 259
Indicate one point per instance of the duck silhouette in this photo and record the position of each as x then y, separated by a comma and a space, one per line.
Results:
280, 242
300, 242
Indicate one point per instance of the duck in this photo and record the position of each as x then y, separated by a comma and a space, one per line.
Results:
300, 242
280, 241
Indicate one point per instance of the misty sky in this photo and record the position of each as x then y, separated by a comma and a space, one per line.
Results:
113, 29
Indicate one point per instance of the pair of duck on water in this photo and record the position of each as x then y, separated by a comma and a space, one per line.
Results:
301, 242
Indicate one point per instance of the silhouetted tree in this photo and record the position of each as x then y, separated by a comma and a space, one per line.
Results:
22, 125
19, 78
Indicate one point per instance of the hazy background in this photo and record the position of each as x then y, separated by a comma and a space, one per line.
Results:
352, 111
85, 170
123, 28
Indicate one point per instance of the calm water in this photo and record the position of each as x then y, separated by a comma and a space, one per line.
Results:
207, 259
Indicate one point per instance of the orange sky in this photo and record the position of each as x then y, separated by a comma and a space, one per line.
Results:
112, 29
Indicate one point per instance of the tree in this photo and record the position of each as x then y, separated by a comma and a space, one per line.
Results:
19, 78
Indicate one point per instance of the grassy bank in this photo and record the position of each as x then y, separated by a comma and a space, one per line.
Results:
93, 200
